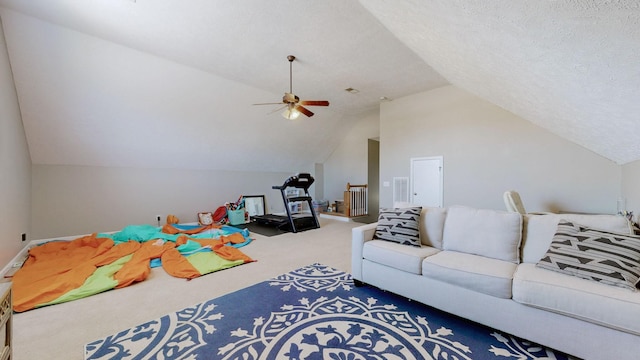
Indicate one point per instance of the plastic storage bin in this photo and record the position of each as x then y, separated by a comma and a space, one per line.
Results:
236, 217
320, 205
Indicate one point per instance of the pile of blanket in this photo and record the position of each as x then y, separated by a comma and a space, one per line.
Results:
60, 271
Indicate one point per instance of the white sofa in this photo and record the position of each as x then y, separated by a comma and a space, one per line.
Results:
481, 265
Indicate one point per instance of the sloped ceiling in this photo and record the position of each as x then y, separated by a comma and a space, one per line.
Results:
168, 83
570, 66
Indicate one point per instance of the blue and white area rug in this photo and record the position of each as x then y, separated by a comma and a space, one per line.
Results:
312, 313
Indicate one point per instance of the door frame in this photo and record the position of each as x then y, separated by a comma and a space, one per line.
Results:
440, 159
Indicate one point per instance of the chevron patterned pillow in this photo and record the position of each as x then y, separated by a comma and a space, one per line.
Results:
399, 225
598, 255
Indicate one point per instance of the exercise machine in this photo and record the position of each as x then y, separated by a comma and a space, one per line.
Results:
293, 222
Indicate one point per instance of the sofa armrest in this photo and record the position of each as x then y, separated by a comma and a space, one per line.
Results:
359, 236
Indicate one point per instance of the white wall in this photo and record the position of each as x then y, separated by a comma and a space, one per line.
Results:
488, 150
348, 162
87, 101
15, 165
73, 200
318, 186
631, 187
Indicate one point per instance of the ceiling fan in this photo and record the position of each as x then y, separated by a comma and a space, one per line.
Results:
293, 106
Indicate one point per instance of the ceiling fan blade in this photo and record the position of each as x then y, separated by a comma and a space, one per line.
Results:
304, 110
274, 103
278, 109
314, 102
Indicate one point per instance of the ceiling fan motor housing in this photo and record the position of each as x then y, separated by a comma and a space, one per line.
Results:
290, 98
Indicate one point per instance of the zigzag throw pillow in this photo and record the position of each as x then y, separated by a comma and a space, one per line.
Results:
607, 257
399, 225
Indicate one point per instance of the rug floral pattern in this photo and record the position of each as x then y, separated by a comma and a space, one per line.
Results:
312, 313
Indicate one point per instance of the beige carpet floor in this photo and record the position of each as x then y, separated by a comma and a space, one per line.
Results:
61, 331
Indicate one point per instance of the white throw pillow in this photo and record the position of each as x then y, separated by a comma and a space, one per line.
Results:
491, 233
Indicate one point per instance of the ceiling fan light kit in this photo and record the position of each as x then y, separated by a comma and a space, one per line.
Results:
293, 106
290, 114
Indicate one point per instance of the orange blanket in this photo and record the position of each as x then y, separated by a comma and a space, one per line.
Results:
56, 269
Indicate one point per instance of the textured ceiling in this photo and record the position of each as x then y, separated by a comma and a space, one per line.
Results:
572, 67
168, 83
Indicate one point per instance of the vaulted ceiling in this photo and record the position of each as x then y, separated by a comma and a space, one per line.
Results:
170, 83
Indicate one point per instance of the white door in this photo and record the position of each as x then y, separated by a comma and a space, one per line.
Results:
426, 181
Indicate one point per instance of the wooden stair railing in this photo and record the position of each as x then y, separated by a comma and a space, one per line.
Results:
356, 200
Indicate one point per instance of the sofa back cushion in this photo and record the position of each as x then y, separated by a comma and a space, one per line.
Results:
539, 230
490, 233
431, 224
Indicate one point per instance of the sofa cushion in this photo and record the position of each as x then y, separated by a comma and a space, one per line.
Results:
610, 306
607, 257
539, 230
399, 225
478, 273
401, 257
431, 223
490, 233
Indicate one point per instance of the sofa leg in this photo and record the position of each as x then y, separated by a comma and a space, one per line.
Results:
358, 283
